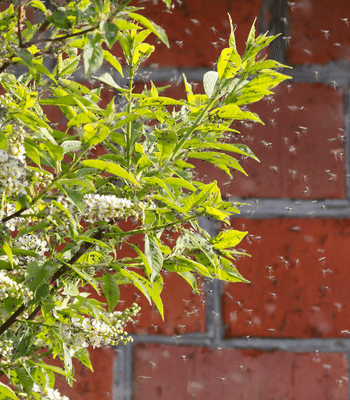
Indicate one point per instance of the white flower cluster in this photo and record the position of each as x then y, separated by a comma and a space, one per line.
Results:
28, 242
16, 147
41, 179
10, 209
13, 174
85, 332
33, 242
11, 288
6, 348
13, 167
49, 394
105, 207
18, 222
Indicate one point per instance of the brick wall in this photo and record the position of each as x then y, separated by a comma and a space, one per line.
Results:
284, 336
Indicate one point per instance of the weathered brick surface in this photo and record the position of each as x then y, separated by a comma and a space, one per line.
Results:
184, 311
299, 280
92, 385
198, 30
300, 148
319, 31
169, 372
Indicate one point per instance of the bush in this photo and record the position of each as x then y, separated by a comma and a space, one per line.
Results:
61, 206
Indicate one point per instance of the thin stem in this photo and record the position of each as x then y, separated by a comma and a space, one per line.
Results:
194, 126
19, 32
61, 38
128, 127
154, 228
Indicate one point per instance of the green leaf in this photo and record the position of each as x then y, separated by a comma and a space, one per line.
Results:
55, 151
251, 35
67, 361
59, 101
77, 198
110, 32
210, 82
70, 289
183, 264
111, 168
232, 39
80, 119
228, 238
8, 251
232, 148
253, 48
169, 203
142, 52
22, 342
7, 393
232, 111
93, 57
32, 153
78, 182
37, 274
41, 293
220, 160
83, 356
265, 64
166, 142
38, 4
148, 269
180, 182
154, 256
136, 279
113, 61
25, 379
190, 279
71, 145
228, 63
60, 19
48, 367
86, 277
108, 80
161, 101
157, 30
198, 197
189, 92
32, 228
111, 291
229, 272
3, 141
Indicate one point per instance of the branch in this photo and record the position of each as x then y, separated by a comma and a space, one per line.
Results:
61, 38
61, 271
19, 33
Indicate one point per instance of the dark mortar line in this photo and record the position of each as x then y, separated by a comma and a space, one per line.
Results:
123, 372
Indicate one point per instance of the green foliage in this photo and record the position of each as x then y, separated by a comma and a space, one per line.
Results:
62, 208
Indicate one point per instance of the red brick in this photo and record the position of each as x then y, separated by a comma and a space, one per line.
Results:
205, 373
292, 165
310, 44
184, 311
92, 385
299, 280
191, 42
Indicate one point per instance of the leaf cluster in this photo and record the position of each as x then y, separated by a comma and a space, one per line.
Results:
66, 212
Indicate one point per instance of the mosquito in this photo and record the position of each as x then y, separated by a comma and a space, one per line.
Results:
326, 33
